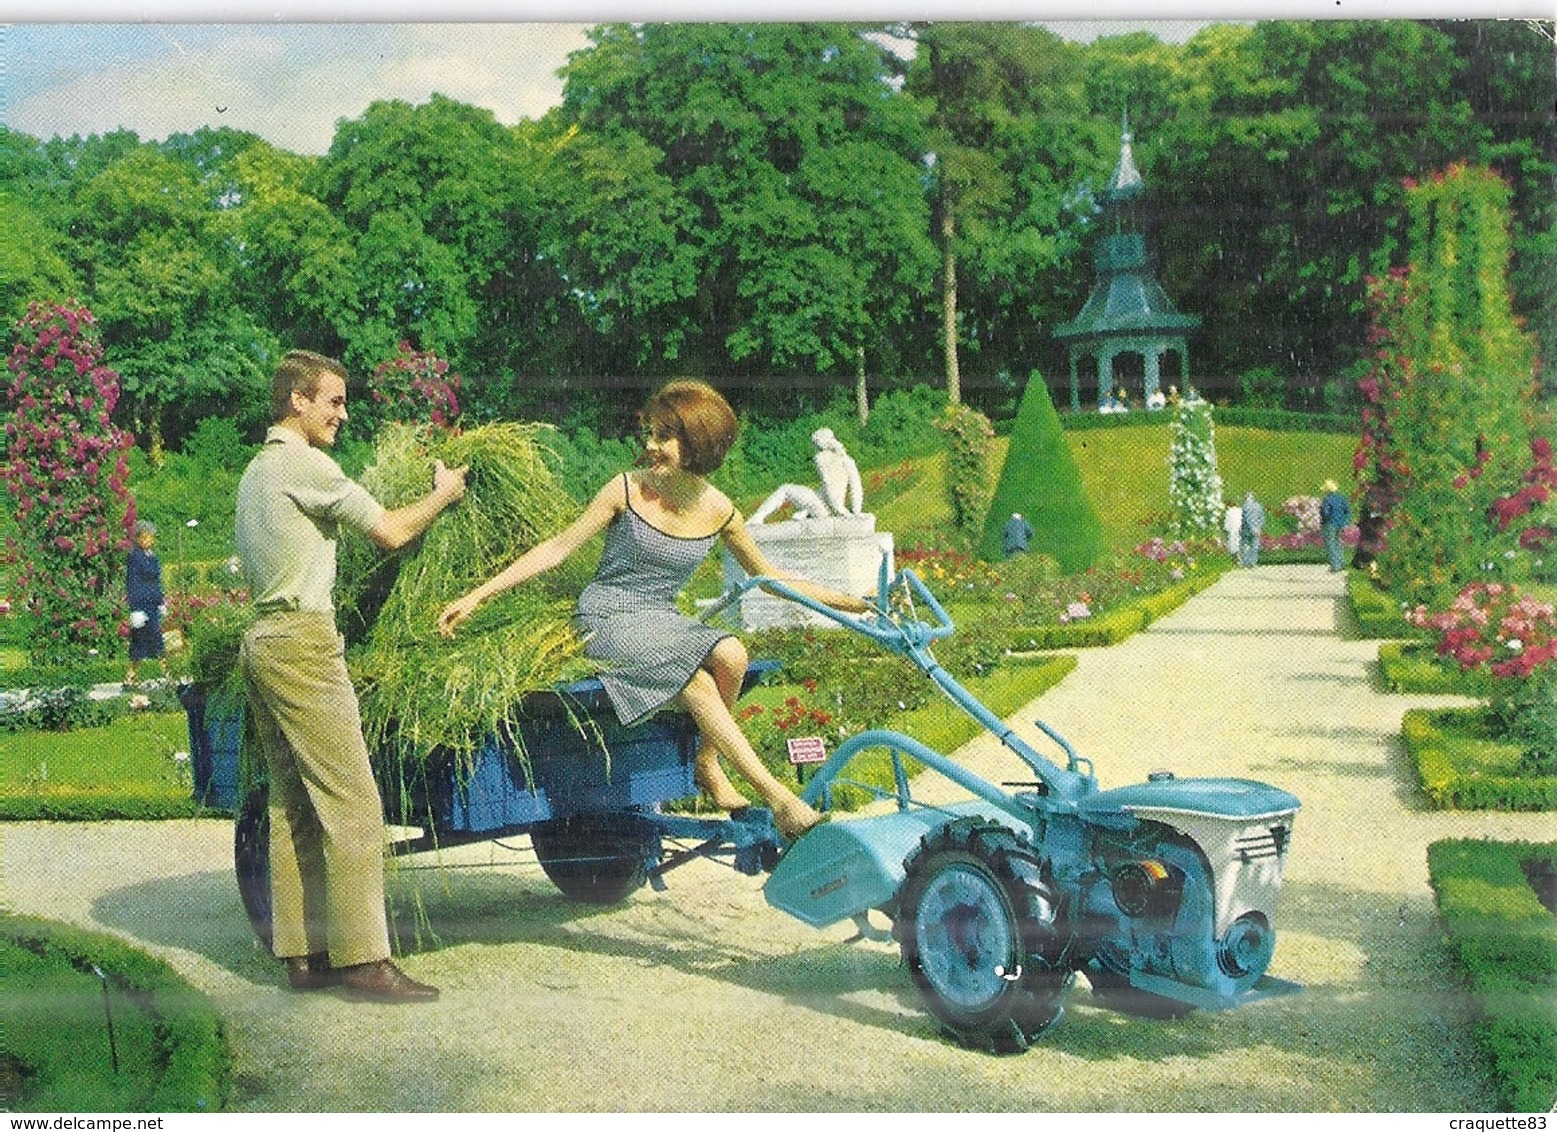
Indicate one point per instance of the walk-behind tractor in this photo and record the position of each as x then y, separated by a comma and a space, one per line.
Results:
1161, 893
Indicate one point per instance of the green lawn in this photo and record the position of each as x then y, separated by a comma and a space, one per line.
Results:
169, 1051
1125, 473
125, 770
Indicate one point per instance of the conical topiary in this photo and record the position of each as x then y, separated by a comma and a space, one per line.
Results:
1041, 481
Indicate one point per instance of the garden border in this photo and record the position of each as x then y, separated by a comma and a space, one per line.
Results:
196, 1057
1425, 732
1506, 943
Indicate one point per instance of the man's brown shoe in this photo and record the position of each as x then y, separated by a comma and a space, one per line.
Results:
310, 972
383, 982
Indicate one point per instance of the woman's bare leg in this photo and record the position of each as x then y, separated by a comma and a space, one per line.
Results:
703, 702
727, 665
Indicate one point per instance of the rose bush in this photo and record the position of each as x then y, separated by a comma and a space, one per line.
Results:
66, 474
416, 387
1512, 635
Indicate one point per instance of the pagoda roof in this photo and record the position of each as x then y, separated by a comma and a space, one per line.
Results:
1127, 303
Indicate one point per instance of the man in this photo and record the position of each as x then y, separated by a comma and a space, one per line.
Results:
1334, 513
1252, 522
326, 820
1016, 535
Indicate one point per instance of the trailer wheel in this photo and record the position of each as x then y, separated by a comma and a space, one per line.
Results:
251, 859
596, 858
976, 925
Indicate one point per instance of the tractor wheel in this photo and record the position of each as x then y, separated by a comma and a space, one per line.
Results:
596, 858
976, 924
251, 859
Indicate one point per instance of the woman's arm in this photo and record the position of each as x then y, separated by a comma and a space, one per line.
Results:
745, 551
541, 557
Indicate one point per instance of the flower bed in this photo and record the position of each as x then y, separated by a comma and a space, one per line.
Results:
1464, 763
1506, 944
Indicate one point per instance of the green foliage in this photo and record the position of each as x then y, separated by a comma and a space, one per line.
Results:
772, 451
1464, 762
1416, 667
1458, 406
1040, 480
1505, 943
1379, 614
969, 442
171, 1043
215, 445
784, 225
1263, 388
32, 268
752, 201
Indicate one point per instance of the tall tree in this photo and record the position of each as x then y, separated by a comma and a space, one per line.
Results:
787, 173
1317, 123
1007, 138
158, 280
426, 192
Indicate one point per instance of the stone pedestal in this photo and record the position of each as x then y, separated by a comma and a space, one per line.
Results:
843, 551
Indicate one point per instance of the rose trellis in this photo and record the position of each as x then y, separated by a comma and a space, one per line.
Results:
65, 471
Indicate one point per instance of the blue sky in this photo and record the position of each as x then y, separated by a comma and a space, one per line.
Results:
292, 82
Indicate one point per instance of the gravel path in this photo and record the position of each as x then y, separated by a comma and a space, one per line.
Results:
703, 998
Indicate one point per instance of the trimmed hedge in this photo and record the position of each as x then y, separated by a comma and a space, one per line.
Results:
1378, 613
1463, 764
175, 1056
1113, 625
1506, 942
1415, 666
131, 803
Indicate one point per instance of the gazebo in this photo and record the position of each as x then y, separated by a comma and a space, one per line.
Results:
1128, 336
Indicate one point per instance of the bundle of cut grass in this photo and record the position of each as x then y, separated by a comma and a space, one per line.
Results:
420, 692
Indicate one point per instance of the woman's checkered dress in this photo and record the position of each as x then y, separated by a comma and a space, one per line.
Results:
629, 618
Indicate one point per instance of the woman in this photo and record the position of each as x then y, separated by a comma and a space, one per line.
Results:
660, 522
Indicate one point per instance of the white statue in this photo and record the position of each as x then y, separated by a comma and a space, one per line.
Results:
842, 493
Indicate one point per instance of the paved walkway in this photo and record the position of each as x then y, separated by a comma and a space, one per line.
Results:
704, 998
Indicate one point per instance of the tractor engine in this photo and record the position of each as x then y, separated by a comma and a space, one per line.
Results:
1177, 906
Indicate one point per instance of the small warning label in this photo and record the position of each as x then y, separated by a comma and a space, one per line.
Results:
807, 750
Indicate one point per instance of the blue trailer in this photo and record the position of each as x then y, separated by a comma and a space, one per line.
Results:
1161, 893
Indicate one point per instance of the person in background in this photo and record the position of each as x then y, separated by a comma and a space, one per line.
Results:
1232, 523
660, 523
1016, 535
143, 588
326, 819
1253, 523
1334, 513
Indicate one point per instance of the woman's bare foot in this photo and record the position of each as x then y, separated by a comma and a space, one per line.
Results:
795, 819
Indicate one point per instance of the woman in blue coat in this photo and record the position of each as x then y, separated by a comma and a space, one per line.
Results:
143, 586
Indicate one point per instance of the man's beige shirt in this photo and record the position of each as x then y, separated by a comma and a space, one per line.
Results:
292, 500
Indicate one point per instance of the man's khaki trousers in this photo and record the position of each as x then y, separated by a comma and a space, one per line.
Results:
326, 819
